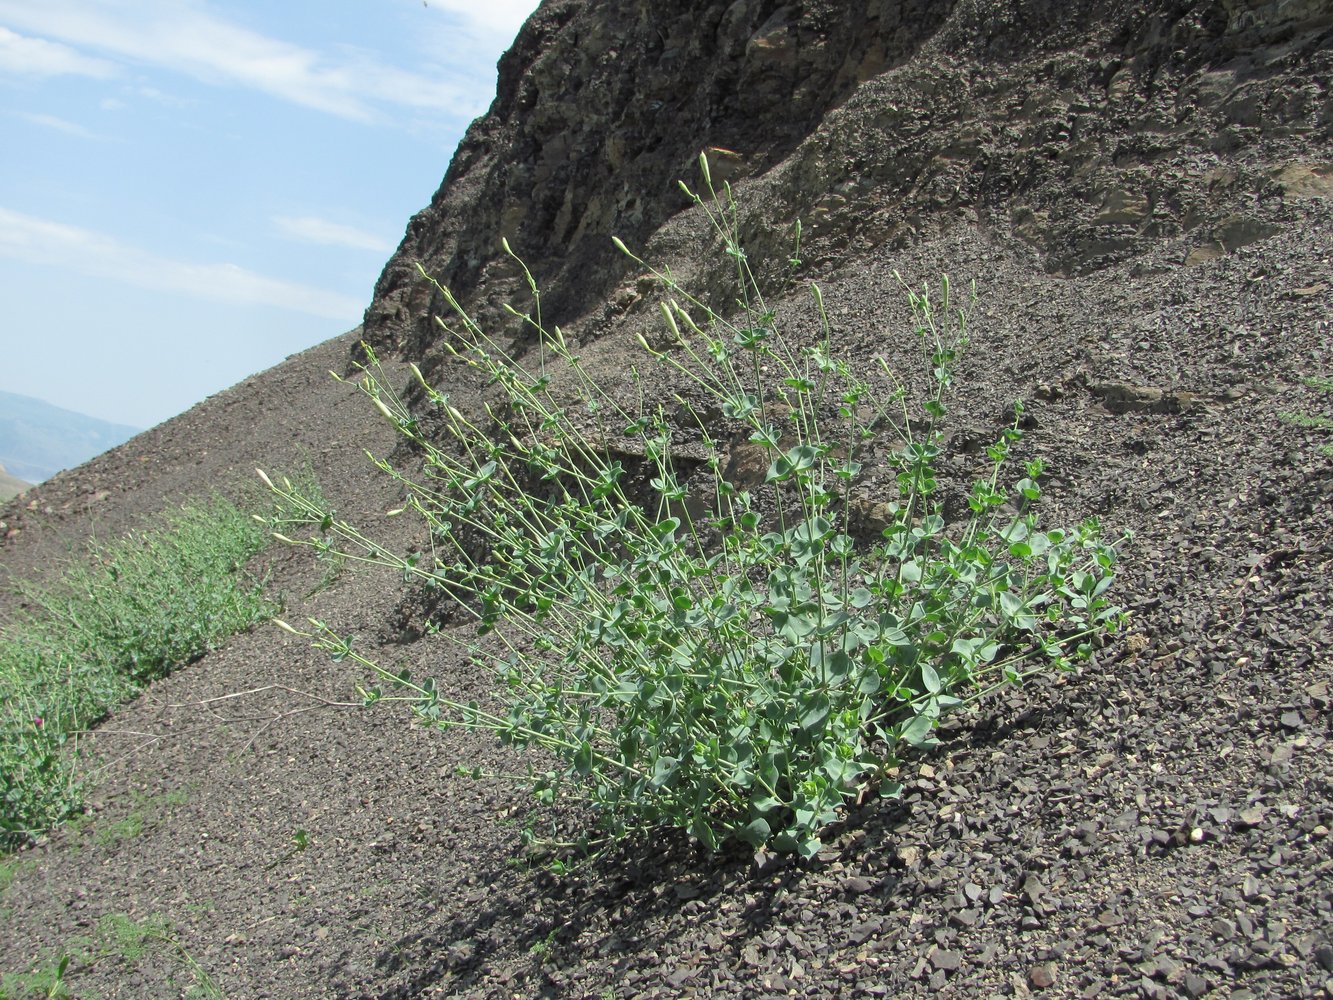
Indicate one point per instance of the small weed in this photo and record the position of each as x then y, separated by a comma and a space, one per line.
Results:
47, 980
123, 829
121, 937
542, 950
175, 797
1315, 421
300, 841
118, 938
202, 908
11, 869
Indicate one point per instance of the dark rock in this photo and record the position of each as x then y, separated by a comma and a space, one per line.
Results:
1043, 976
947, 961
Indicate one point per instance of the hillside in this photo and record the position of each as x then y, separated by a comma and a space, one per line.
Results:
1142, 194
37, 439
10, 485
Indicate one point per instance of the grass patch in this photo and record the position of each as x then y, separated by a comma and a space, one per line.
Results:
119, 938
1314, 421
140, 607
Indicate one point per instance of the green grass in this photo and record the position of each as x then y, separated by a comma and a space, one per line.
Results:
118, 938
1314, 421
140, 606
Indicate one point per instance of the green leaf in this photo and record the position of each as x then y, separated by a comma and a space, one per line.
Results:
930, 678
797, 460
809, 847
917, 733
755, 833
814, 712
740, 407
663, 768
703, 831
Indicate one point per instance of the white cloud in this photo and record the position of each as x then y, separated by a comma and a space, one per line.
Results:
82, 251
59, 125
38, 57
496, 17
183, 36
311, 229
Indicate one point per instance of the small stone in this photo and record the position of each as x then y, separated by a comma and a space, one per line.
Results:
1323, 955
857, 885
1292, 720
947, 961
965, 918
680, 977
860, 932
1224, 929
1042, 976
1253, 816
1195, 985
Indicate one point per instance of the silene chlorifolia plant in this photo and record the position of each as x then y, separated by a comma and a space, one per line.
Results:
718, 655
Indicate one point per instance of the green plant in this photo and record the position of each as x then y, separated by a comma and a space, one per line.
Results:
127, 828
694, 648
122, 937
47, 980
1316, 421
543, 948
119, 937
282, 516
144, 604
300, 841
11, 870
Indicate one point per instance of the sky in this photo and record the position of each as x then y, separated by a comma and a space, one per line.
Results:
192, 190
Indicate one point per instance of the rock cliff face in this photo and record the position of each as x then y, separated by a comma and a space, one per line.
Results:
1090, 131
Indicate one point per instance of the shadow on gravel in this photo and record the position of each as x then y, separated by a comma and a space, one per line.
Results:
530, 928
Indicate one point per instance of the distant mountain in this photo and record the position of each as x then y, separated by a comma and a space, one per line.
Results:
37, 439
10, 486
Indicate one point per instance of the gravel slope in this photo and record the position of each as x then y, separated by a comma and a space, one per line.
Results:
1156, 825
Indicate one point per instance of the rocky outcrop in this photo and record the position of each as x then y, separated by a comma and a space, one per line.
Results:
601, 108
1089, 131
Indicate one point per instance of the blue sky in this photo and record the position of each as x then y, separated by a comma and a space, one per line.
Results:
190, 191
